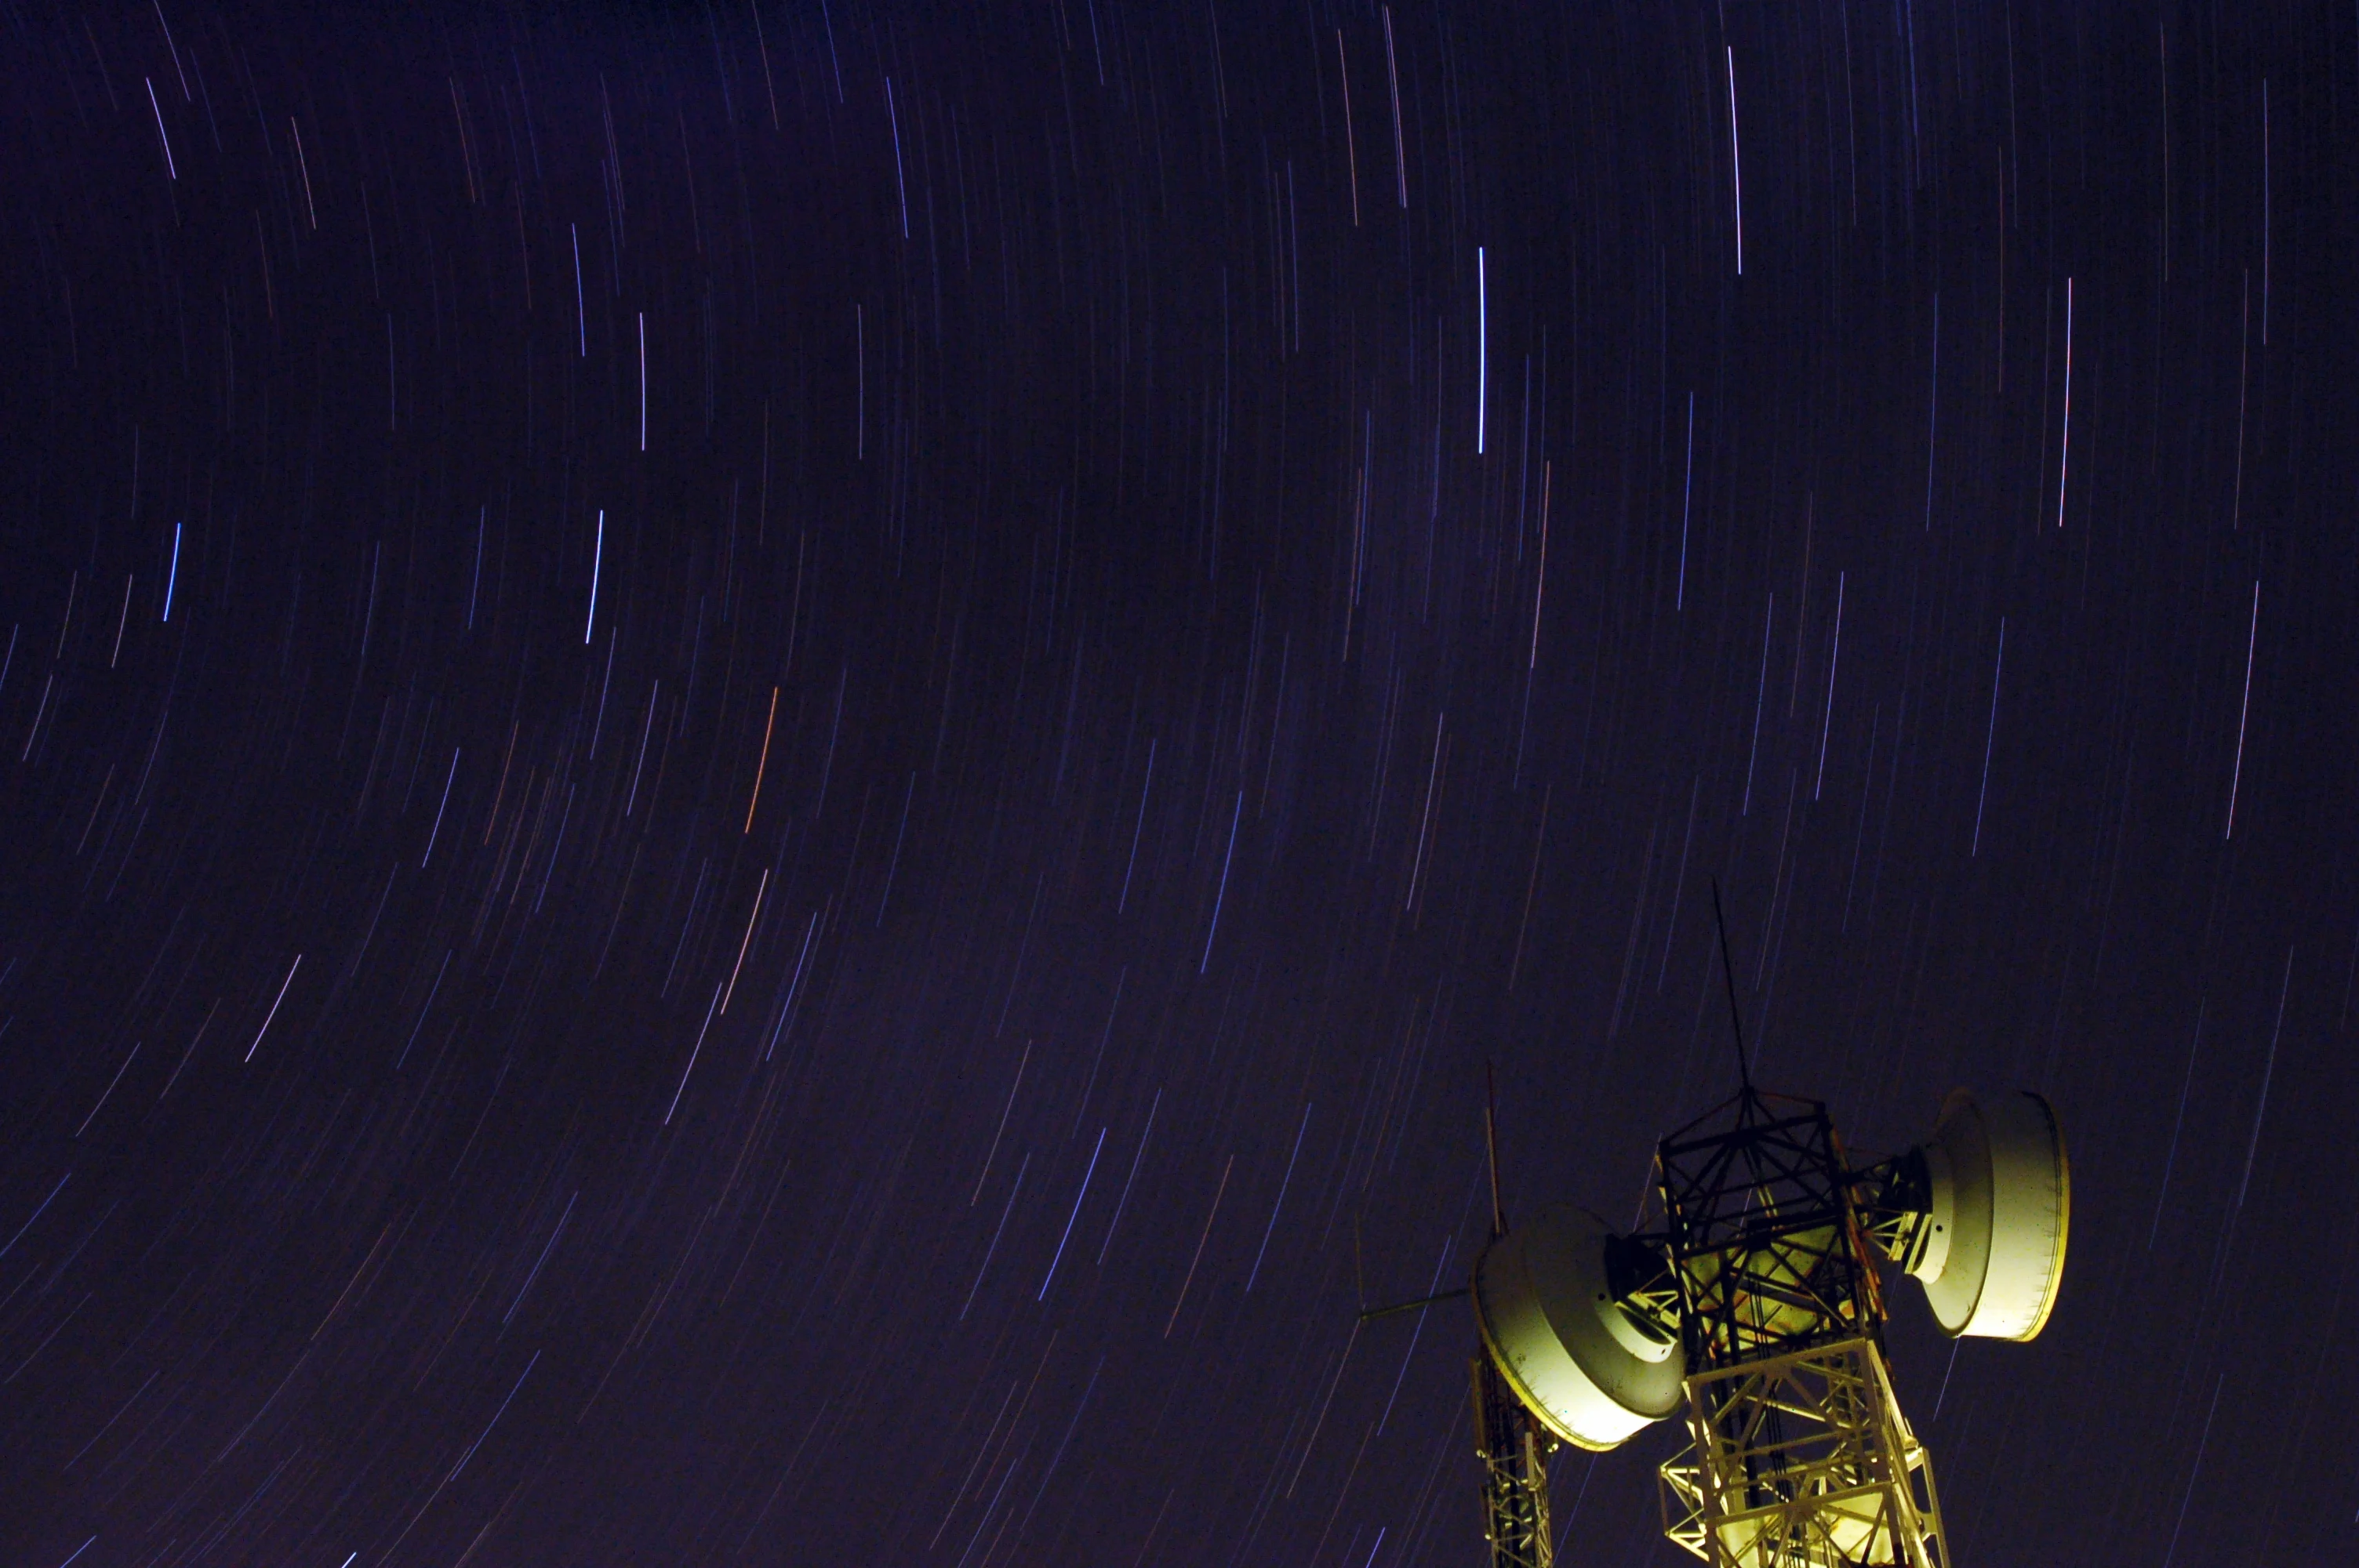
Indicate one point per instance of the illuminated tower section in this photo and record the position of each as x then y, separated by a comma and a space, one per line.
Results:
1756, 1313
1798, 1453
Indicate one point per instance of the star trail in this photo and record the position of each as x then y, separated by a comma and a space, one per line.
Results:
628, 625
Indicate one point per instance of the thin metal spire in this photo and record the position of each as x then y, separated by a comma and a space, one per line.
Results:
1728, 979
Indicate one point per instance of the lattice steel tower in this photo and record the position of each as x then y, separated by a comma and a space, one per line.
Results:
1756, 1313
1798, 1453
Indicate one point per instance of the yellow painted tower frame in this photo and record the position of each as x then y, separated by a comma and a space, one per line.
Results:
1802, 1459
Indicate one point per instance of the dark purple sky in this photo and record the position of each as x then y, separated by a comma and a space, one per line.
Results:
762, 765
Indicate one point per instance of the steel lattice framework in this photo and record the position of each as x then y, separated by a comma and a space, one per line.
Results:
1803, 1458
1799, 1456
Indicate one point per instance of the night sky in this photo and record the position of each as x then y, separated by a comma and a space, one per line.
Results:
771, 775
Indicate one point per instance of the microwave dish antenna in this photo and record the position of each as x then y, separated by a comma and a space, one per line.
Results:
1990, 1244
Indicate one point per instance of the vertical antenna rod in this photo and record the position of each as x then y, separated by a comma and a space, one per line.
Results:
1490, 1144
1728, 979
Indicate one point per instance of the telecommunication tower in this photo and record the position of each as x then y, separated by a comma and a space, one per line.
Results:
1754, 1311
